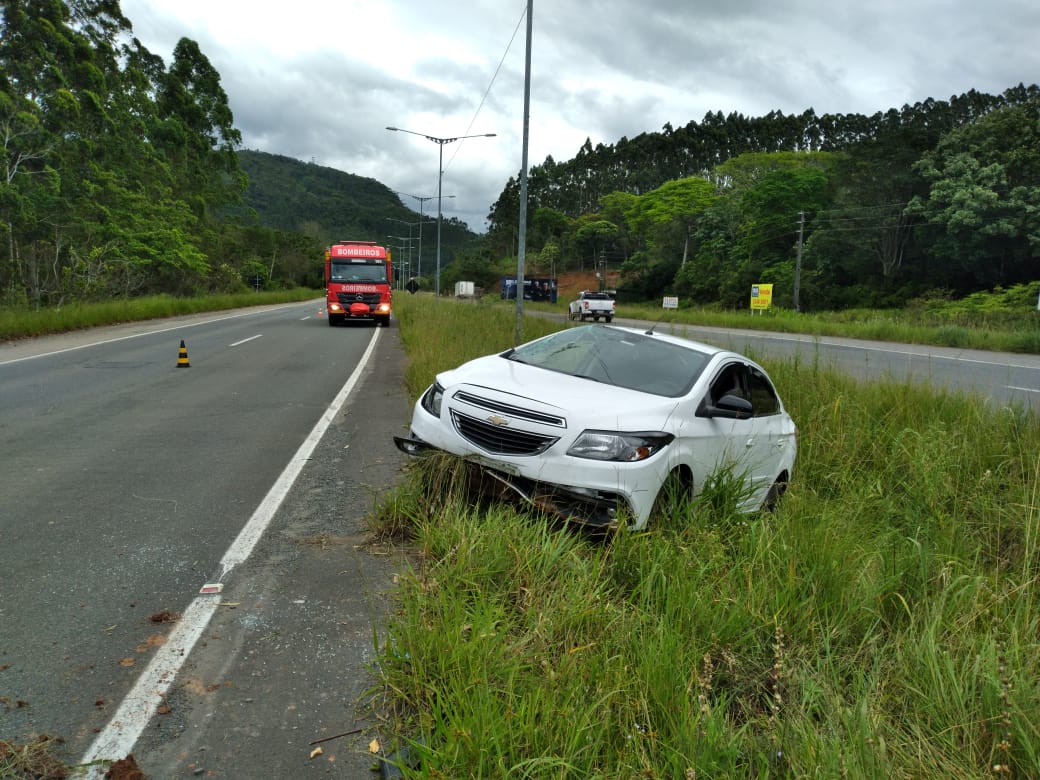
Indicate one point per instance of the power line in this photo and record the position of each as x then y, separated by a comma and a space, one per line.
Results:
490, 85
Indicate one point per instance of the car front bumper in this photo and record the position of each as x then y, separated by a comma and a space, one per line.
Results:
593, 493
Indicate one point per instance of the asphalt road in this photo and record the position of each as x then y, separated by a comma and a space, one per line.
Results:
1000, 378
126, 479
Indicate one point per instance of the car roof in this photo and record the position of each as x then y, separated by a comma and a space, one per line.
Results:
698, 346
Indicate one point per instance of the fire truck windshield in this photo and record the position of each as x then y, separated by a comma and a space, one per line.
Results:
374, 273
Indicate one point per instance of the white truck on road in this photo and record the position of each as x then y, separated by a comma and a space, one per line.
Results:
592, 304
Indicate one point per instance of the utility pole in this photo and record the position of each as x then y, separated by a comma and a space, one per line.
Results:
798, 260
521, 250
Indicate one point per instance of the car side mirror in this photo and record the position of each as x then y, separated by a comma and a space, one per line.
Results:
730, 406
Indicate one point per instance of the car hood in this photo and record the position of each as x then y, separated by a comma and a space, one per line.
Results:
595, 403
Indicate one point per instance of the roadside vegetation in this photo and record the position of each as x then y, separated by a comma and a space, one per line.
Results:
18, 322
884, 622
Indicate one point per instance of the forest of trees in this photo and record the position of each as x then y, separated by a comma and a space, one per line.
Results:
119, 174
122, 176
942, 197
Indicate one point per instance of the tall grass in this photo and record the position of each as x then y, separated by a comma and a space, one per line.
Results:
882, 623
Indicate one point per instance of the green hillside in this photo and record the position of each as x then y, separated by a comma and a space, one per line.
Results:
331, 205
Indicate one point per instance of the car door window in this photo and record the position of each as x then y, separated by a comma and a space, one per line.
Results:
730, 381
763, 397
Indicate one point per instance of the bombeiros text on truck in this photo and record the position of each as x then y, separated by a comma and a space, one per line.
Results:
357, 282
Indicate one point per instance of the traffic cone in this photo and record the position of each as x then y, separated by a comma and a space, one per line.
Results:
182, 357
321, 312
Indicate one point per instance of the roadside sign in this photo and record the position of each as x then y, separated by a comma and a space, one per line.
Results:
671, 302
761, 296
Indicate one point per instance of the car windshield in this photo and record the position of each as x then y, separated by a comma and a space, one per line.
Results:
358, 272
616, 357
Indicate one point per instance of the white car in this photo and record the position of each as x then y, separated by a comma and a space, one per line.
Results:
590, 423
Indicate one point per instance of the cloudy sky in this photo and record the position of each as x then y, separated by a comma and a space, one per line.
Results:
320, 80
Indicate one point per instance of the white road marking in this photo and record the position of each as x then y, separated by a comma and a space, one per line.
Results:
1023, 389
243, 341
117, 739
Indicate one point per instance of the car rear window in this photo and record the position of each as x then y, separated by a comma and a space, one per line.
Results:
616, 357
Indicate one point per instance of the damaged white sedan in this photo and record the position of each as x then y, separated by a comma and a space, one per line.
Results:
592, 423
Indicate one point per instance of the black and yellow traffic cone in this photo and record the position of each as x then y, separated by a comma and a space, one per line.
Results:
182, 357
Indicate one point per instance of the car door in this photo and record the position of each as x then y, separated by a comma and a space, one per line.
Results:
710, 441
773, 440
754, 441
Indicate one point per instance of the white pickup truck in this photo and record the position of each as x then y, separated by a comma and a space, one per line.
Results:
592, 304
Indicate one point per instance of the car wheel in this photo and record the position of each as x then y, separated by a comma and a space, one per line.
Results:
675, 490
608, 319
776, 492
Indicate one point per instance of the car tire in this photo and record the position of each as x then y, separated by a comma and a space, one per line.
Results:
608, 319
776, 492
677, 487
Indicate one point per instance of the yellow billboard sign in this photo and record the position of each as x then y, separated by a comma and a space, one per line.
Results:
761, 296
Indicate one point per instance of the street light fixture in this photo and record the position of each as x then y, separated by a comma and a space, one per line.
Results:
410, 226
407, 263
440, 176
422, 199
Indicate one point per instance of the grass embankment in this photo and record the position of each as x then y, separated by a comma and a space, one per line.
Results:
18, 323
884, 622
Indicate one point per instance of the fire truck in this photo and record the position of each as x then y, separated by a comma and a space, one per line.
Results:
357, 282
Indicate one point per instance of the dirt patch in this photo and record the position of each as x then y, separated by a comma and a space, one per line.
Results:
125, 769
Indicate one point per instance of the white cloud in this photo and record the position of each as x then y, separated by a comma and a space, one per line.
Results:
318, 80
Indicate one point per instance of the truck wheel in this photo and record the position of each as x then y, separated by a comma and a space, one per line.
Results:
581, 317
595, 318
384, 321
608, 319
333, 321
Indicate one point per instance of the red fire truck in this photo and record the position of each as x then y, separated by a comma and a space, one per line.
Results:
357, 282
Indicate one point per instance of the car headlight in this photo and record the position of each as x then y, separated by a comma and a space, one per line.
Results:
431, 400
625, 447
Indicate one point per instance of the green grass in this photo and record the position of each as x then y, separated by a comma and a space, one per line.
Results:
18, 322
884, 622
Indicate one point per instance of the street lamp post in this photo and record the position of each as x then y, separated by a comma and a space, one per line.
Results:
402, 247
422, 199
440, 176
410, 226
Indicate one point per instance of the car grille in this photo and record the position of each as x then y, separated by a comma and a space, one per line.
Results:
348, 298
512, 411
500, 439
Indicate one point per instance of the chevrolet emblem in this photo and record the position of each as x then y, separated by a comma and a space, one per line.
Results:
496, 420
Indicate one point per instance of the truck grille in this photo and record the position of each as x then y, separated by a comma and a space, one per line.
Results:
348, 298
500, 439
